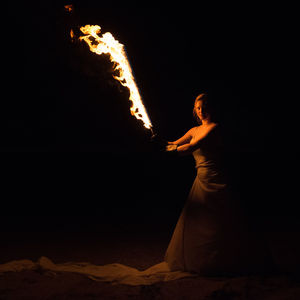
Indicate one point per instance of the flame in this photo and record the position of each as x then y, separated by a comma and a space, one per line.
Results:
107, 44
72, 35
69, 7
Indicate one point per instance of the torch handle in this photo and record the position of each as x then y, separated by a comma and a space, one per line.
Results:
152, 132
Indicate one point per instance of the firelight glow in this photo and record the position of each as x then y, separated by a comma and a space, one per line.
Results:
107, 44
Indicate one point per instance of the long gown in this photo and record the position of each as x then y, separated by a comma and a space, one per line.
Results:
207, 240
210, 237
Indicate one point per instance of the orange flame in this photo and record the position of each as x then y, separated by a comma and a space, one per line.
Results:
72, 35
69, 7
107, 44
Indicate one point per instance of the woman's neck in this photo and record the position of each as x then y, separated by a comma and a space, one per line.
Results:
206, 122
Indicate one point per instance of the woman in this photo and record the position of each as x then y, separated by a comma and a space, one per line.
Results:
209, 237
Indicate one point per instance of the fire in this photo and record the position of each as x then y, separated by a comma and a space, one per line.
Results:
69, 8
72, 34
107, 44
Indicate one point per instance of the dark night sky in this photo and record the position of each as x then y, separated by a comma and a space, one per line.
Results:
70, 103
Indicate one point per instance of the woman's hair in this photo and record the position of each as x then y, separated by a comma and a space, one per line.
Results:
206, 106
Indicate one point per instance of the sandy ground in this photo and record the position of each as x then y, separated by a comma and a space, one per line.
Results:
126, 245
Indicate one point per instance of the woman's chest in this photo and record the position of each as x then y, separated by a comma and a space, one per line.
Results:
199, 133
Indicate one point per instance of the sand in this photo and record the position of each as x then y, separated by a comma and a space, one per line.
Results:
126, 245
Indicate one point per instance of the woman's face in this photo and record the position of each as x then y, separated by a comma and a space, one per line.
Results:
200, 111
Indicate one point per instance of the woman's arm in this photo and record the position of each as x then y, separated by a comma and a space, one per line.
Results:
190, 147
185, 139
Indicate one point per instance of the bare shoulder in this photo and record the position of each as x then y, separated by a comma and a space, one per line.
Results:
213, 126
193, 130
202, 131
206, 129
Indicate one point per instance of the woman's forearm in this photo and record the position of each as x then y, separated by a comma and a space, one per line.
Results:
183, 140
180, 142
185, 149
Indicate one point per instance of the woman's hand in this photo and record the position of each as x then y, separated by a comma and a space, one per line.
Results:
171, 148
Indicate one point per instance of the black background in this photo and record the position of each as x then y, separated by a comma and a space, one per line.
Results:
73, 154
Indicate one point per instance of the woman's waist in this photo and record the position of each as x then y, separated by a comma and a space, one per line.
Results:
206, 171
206, 164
